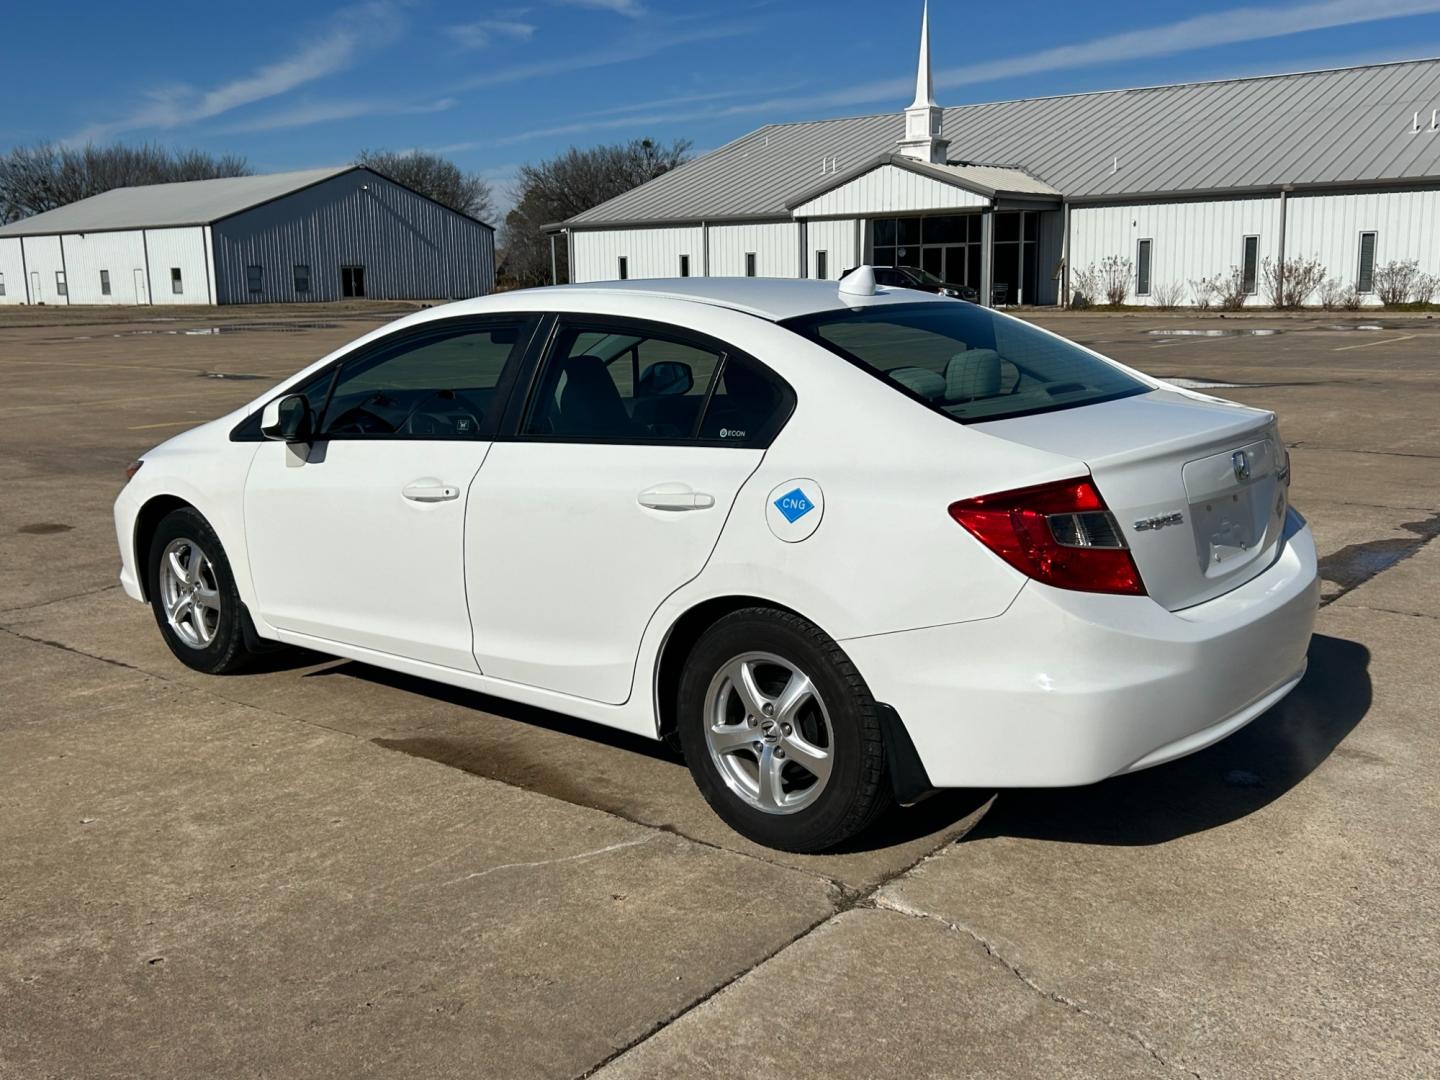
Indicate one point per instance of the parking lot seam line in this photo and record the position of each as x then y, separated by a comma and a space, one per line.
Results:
846, 899
899, 907
1384, 610
1378, 341
553, 862
1369, 453
719, 988
57, 600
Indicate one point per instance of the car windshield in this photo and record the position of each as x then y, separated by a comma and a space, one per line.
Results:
966, 361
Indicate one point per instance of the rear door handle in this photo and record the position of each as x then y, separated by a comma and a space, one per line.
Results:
675, 497
430, 491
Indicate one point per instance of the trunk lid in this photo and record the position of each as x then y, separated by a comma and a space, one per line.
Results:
1195, 485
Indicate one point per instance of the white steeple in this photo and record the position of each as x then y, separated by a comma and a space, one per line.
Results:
923, 118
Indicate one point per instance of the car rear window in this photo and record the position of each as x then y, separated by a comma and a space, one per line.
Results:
967, 361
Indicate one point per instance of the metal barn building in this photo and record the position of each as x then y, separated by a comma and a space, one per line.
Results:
321, 234
1016, 198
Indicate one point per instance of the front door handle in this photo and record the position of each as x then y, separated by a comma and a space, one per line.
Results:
430, 491
675, 497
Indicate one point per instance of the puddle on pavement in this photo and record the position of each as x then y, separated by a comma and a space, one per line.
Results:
1355, 564
211, 331
1228, 332
44, 528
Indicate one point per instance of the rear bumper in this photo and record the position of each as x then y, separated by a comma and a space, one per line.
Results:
1069, 688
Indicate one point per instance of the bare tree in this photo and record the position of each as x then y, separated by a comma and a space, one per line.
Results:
1115, 273
1395, 281
37, 178
1085, 288
565, 186
1230, 288
1169, 296
1332, 294
434, 176
1289, 282
1425, 287
1206, 291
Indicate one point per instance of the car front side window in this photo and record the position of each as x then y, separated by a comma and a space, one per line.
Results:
437, 384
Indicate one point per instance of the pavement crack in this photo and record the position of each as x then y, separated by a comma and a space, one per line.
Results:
74, 651
886, 903
578, 857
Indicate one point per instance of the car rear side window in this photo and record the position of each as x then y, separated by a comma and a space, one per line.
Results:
637, 382
968, 362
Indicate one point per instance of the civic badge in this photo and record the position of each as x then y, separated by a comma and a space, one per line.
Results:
1240, 462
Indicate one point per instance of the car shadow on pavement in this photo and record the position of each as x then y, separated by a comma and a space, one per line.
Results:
1220, 784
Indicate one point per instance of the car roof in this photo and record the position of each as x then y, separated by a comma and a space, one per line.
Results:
769, 298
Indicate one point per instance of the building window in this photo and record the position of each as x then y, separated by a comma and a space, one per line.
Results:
684, 265
624, 268
1142, 268
254, 277
60, 286
1250, 265
302, 278
1365, 279
749, 264
104, 282
177, 281
2, 284
822, 265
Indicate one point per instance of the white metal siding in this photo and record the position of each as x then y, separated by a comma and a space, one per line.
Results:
837, 238
411, 248
43, 259
186, 249
1328, 227
776, 247
1049, 252
86, 254
13, 269
1193, 240
652, 253
890, 190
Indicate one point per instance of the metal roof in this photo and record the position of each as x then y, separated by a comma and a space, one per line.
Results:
155, 206
986, 180
1338, 127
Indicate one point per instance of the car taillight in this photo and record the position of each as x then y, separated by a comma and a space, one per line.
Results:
1059, 533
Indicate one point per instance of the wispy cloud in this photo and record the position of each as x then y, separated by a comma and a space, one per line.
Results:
481, 34
324, 112
351, 32
620, 52
631, 8
1229, 27
688, 99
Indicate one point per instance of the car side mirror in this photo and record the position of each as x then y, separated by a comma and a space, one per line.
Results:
288, 419
664, 378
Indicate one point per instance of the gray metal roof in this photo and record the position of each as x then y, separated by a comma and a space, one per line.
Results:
985, 179
1346, 126
155, 206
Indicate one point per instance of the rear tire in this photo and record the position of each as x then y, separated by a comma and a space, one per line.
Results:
781, 733
193, 595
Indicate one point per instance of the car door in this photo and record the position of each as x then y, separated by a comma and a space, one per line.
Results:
610, 494
357, 537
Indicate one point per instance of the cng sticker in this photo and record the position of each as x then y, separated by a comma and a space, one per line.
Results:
794, 509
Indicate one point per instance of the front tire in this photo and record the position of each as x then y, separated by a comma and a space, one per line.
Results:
193, 595
781, 733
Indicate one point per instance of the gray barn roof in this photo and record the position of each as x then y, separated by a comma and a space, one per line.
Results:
1346, 126
156, 206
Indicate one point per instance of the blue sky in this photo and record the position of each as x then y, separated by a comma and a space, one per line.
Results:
295, 85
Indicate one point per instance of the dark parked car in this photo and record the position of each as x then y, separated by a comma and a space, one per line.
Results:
912, 277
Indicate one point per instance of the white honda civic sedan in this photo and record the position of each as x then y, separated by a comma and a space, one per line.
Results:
845, 546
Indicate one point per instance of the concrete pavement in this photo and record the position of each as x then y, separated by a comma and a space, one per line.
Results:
324, 869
